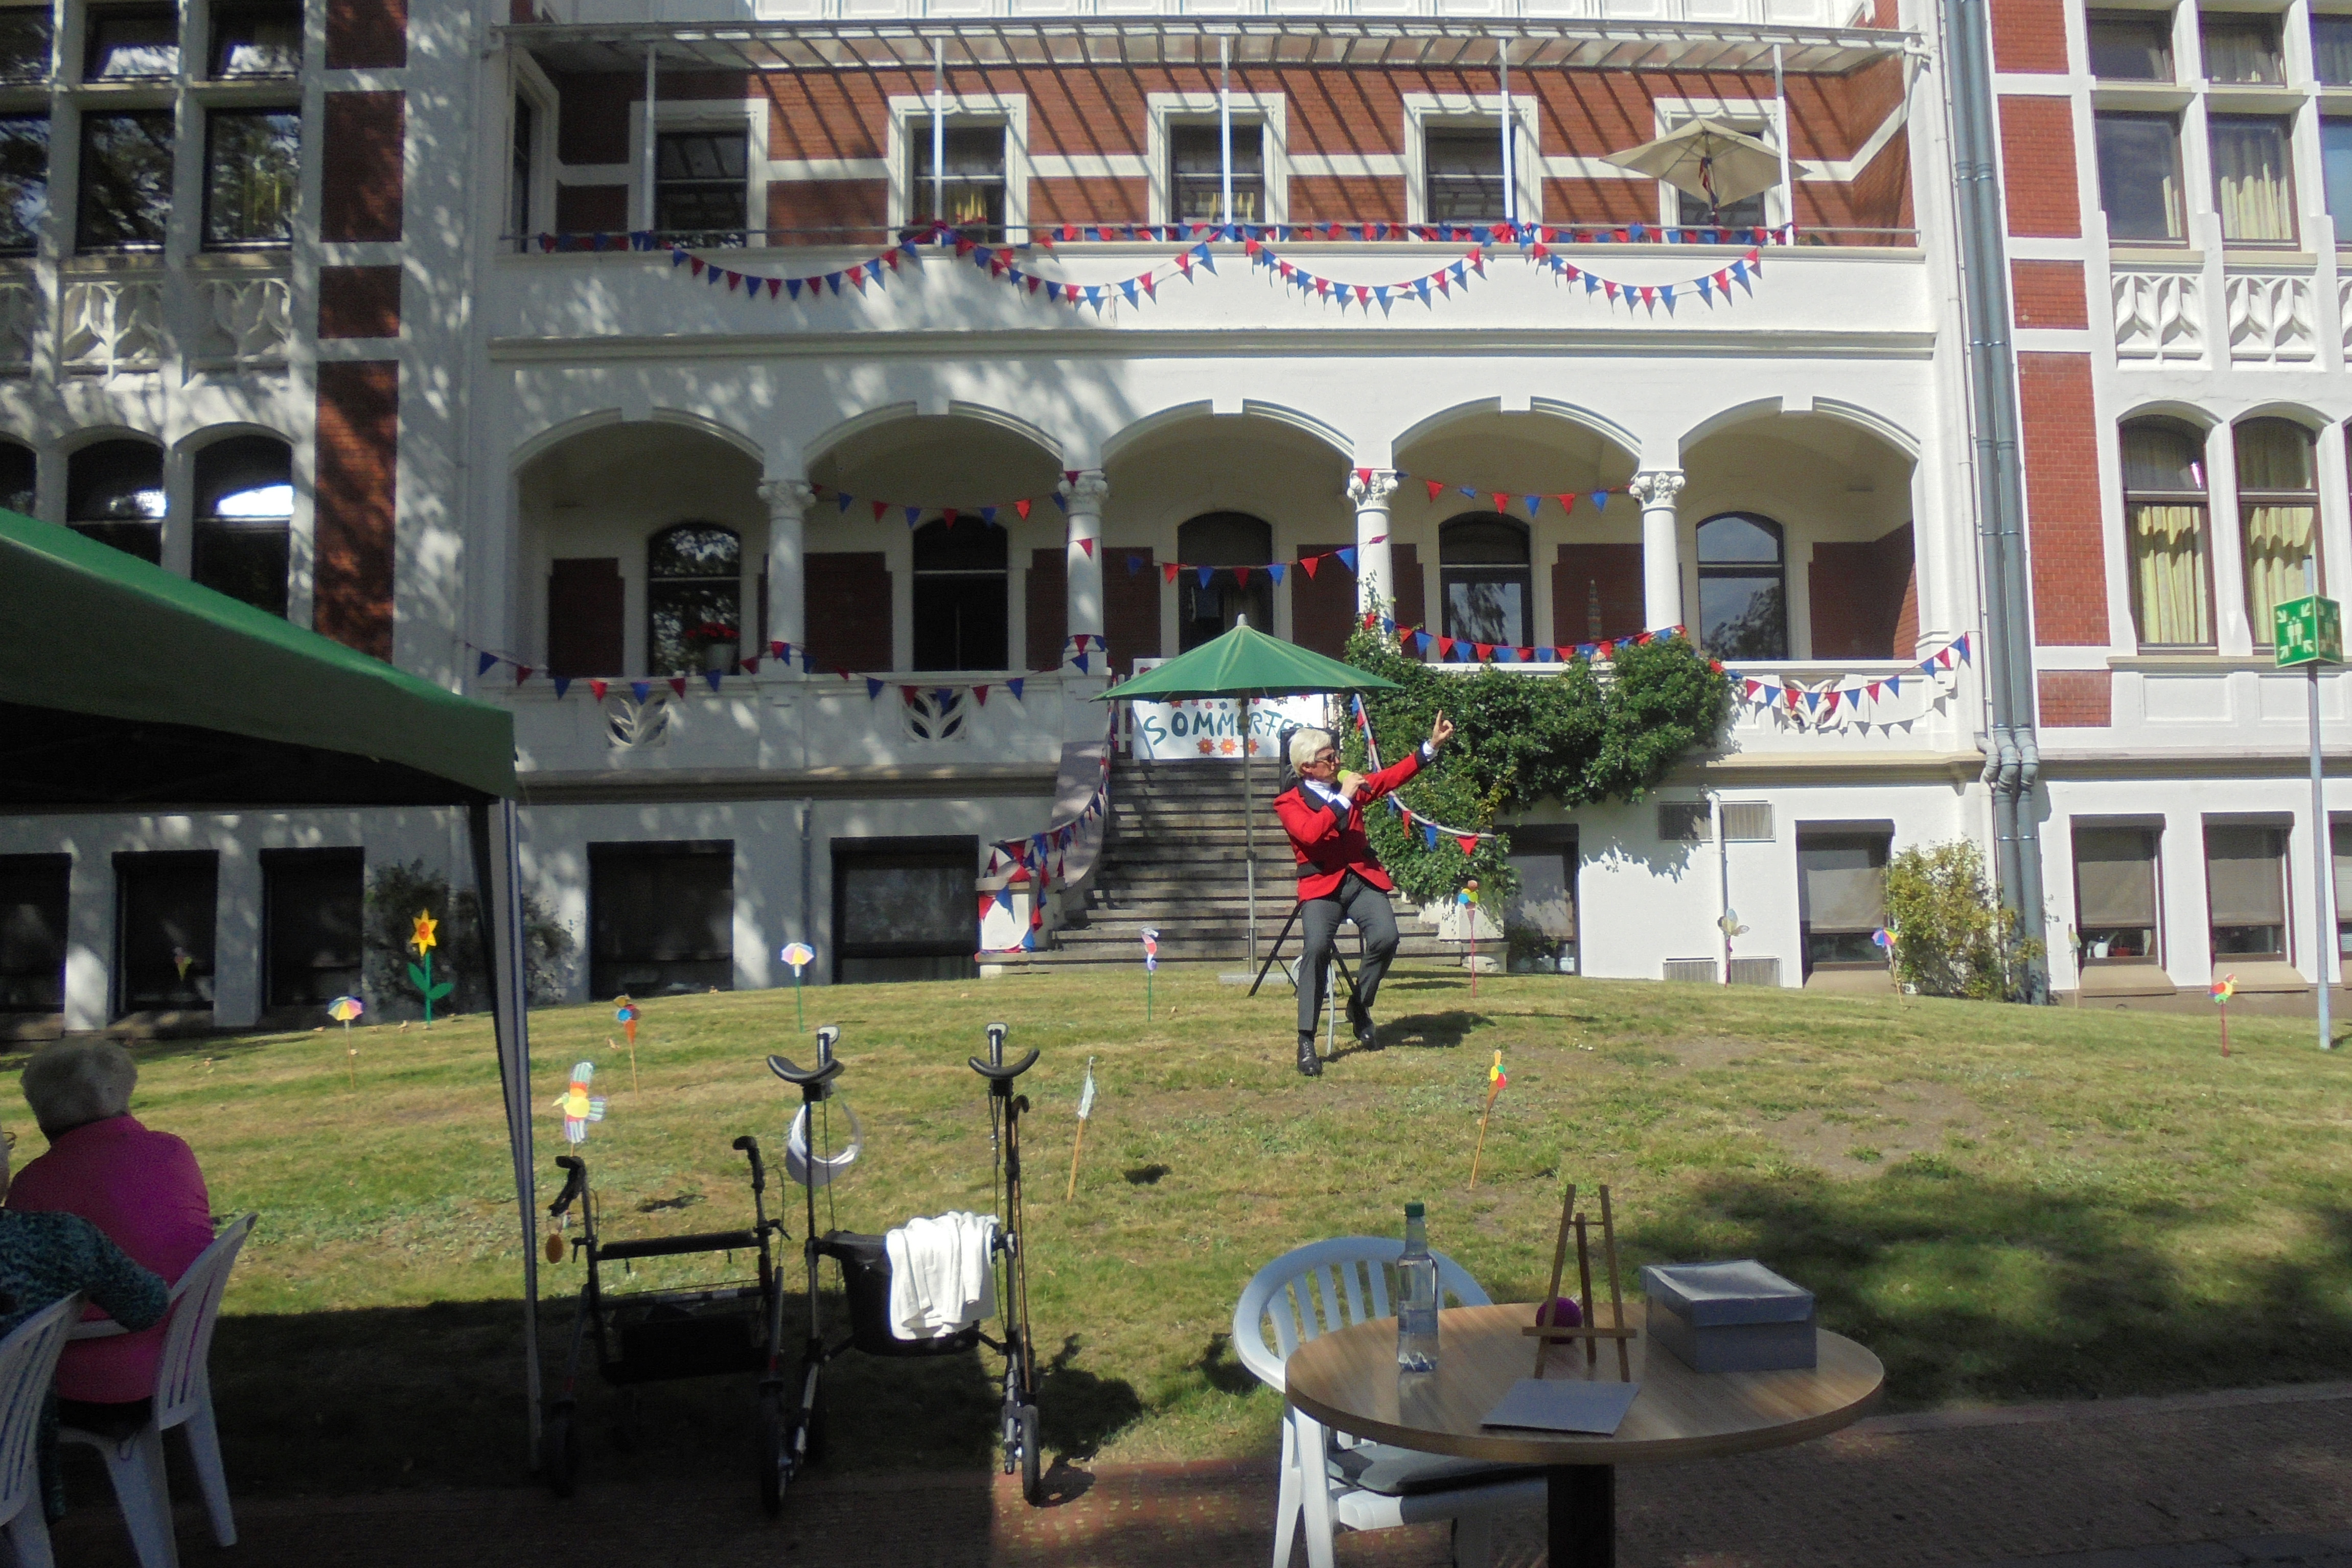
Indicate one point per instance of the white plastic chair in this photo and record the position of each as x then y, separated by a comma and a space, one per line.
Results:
1329, 1479
29, 1362
183, 1398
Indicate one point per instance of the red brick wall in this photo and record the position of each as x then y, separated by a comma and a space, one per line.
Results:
360, 196
358, 452
861, 206
2075, 699
364, 34
1865, 598
2037, 161
850, 589
1131, 608
2064, 536
1049, 607
1898, 575
2048, 294
1614, 571
359, 301
2029, 36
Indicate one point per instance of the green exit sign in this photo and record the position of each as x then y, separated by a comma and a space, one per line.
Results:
2308, 631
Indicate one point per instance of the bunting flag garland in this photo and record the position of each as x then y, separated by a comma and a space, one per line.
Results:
1450, 650
1466, 838
1854, 700
1506, 502
641, 687
1041, 858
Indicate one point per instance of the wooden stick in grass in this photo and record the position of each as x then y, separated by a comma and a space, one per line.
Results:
1616, 1293
1584, 1274
1085, 1108
632, 1058
1558, 1263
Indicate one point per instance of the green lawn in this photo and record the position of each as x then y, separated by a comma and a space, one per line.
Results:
2004, 1203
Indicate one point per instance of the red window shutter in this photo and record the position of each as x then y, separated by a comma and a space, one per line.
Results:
1406, 563
585, 600
849, 592
1322, 607
1596, 593
1131, 607
1049, 606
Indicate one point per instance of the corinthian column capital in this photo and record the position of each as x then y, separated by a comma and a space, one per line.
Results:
1372, 487
1657, 487
1086, 490
787, 498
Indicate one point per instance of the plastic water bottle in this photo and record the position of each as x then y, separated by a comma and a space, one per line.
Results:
1416, 1296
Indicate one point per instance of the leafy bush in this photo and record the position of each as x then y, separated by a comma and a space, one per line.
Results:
1952, 938
396, 894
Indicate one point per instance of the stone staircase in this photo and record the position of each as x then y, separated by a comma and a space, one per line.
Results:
1172, 858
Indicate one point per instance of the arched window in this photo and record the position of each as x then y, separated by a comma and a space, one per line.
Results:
2164, 518
1222, 540
693, 598
961, 615
1482, 572
2278, 513
114, 493
245, 514
16, 475
1743, 587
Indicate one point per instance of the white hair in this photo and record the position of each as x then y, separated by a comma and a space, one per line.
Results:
78, 1081
1306, 745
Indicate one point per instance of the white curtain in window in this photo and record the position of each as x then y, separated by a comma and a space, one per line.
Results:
2168, 575
2278, 539
2249, 181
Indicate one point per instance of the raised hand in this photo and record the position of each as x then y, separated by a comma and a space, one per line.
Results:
1441, 731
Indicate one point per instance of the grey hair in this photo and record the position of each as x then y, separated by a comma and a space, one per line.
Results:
1306, 744
78, 1081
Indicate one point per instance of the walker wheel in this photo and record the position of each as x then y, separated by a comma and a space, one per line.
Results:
776, 1452
558, 1450
1033, 1486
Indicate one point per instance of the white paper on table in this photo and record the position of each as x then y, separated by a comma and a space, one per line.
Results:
1566, 1406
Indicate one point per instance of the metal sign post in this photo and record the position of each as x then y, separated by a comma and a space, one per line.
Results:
2309, 633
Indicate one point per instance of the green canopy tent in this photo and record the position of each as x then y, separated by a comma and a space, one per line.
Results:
1247, 664
125, 687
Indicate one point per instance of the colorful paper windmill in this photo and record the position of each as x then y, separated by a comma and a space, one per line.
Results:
2222, 990
579, 1107
625, 1013
346, 1010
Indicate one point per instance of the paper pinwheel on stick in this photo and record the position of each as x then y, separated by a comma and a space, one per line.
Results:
342, 1010
1150, 966
1085, 1108
420, 975
1495, 1082
799, 954
2222, 990
579, 1107
625, 1013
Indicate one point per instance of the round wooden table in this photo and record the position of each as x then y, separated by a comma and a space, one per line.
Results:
1349, 1381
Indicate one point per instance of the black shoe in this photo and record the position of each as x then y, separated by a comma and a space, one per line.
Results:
1310, 1064
1368, 1034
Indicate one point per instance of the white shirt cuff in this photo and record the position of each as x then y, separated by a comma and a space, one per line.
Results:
1428, 752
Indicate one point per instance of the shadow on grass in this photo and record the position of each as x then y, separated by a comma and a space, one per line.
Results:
1221, 1369
1432, 1031
1077, 1410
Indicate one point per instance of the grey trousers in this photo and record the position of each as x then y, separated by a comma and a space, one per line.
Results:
1358, 901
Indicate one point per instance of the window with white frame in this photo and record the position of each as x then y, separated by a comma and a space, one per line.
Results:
2253, 185
1462, 173
26, 39
2241, 49
2165, 526
24, 181
1687, 209
253, 160
1196, 165
966, 189
2278, 514
2130, 45
256, 38
2331, 49
2139, 177
702, 186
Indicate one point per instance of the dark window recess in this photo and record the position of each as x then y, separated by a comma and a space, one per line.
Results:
970, 192
1842, 892
1196, 174
2336, 175
700, 193
310, 922
33, 899
661, 918
256, 40
1539, 919
2331, 49
1463, 169
1743, 588
245, 519
2131, 46
126, 180
2241, 49
2139, 176
524, 150
165, 906
1696, 212
17, 477
2115, 895
694, 599
584, 599
962, 611
2339, 843
24, 181
26, 37
2245, 890
1483, 571
1222, 540
252, 168
114, 494
905, 909
131, 41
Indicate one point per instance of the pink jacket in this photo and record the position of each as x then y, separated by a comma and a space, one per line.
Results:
143, 1190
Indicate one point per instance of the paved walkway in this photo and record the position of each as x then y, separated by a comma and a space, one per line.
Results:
2233, 1478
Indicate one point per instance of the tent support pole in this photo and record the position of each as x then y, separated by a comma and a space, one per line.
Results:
498, 884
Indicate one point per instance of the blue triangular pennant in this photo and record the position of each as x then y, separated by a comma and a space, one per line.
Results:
1206, 574
562, 685
713, 677
483, 665
873, 687
1347, 557
641, 689
1275, 572
1081, 661
1601, 500
1013, 686
914, 515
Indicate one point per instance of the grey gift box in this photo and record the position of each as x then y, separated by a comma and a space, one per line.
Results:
1729, 1317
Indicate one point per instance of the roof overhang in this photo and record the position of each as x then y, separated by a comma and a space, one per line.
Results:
1306, 41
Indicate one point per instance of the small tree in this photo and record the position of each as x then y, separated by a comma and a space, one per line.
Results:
1952, 938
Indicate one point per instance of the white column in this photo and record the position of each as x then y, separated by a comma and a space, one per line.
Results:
237, 939
1662, 551
788, 503
1375, 585
89, 939
1085, 494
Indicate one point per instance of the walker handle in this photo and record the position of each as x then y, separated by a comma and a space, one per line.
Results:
575, 1182
751, 1145
996, 1033
827, 1037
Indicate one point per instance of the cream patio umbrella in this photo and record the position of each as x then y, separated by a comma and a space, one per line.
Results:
1709, 160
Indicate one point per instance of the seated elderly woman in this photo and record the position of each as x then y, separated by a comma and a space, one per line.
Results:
142, 1188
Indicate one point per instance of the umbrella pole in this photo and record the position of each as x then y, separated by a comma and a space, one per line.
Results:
1249, 828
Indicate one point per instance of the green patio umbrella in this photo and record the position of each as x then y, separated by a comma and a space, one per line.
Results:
1247, 664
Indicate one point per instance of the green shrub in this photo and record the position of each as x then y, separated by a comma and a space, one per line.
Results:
396, 894
1952, 938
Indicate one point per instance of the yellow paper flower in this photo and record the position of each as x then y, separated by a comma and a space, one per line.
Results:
422, 941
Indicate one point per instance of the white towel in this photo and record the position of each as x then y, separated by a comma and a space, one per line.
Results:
942, 1274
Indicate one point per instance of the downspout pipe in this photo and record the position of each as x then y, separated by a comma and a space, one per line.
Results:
2014, 759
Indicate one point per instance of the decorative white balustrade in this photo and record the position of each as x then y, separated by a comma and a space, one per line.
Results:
110, 326
254, 317
2271, 318
2159, 317
20, 321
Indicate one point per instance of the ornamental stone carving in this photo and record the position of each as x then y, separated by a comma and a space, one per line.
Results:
1657, 487
787, 498
1085, 490
1372, 487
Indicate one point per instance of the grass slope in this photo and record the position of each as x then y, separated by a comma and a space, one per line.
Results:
2003, 1202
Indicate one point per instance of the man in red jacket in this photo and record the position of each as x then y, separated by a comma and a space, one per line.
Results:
1339, 877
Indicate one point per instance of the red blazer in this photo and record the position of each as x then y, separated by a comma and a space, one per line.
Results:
1330, 848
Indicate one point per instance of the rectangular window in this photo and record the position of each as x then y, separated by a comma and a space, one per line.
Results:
701, 196
969, 196
126, 180
33, 896
311, 902
1695, 212
661, 918
2139, 177
1539, 919
1196, 174
2114, 894
2131, 46
25, 39
1463, 174
256, 39
164, 906
2164, 516
2331, 49
904, 908
131, 41
2245, 890
2335, 173
2339, 843
1841, 897
2278, 513
2253, 189
2241, 49
252, 168
1685, 822
24, 181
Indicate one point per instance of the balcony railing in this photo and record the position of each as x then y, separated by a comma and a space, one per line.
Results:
1099, 232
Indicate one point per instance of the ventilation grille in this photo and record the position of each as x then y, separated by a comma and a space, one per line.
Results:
1699, 969
1747, 820
1756, 971
1684, 822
